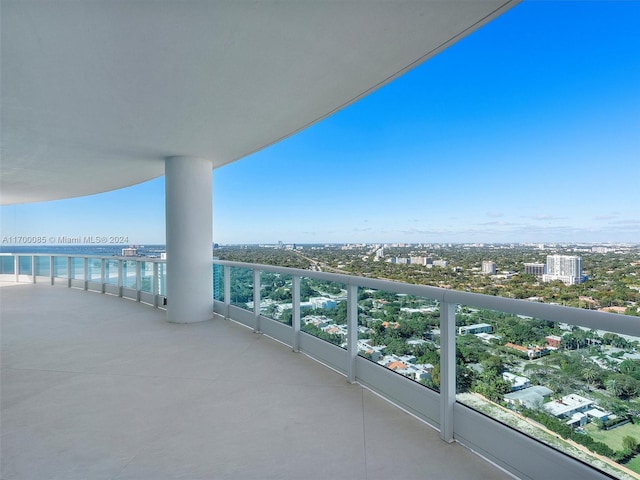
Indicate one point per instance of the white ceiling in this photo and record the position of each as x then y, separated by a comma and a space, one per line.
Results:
96, 93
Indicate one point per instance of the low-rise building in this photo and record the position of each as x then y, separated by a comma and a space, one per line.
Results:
417, 372
317, 320
531, 397
517, 382
475, 328
578, 420
376, 352
393, 325
568, 405
534, 351
487, 337
323, 302
598, 414
553, 340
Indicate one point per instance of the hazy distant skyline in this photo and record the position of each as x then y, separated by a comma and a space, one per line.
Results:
527, 130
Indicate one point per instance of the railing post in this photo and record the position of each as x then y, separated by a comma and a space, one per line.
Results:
156, 285
256, 301
162, 285
120, 277
447, 369
295, 300
85, 264
69, 274
103, 272
227, 288
16, 267
138, 279
33, 268
352, 331
51, 271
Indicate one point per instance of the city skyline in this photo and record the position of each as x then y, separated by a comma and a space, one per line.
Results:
524, 131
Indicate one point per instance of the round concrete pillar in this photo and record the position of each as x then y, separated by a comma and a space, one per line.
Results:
189, 220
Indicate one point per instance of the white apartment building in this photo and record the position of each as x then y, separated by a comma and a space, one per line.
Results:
488, 267
566, 268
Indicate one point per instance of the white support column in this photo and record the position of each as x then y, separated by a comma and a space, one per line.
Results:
189, 223
447, 369
51, 270
33, 268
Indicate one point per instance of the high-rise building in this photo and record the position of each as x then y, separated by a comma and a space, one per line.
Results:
566, 268
418, 260
489, 267
536, 269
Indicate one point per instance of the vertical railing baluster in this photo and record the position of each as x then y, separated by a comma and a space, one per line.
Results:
33, 269
256, 301
103, 272
85, 264
447, 369
51, 270
156, 285
352, 331
227, 289
138, 279
69, 274
16, 267
120, 276
295, 305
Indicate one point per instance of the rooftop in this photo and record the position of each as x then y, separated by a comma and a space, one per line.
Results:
94, 386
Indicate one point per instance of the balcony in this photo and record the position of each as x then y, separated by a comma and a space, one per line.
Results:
98, 387
95, 386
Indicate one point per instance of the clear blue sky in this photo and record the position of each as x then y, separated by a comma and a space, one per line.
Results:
528, 130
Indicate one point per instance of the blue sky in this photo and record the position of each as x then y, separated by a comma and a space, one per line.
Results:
528, 130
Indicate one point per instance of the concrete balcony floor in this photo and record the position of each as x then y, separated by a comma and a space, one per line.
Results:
97, 387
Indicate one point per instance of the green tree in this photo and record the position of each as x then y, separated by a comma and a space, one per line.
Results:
614, 387
631, 368
493, 364
629, 443
592, 375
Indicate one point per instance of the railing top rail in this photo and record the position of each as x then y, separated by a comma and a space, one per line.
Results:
622, 324
374, 283
76, 255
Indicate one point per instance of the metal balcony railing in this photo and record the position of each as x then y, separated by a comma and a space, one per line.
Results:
349, 306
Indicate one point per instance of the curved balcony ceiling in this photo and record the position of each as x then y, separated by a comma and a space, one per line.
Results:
95, 94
